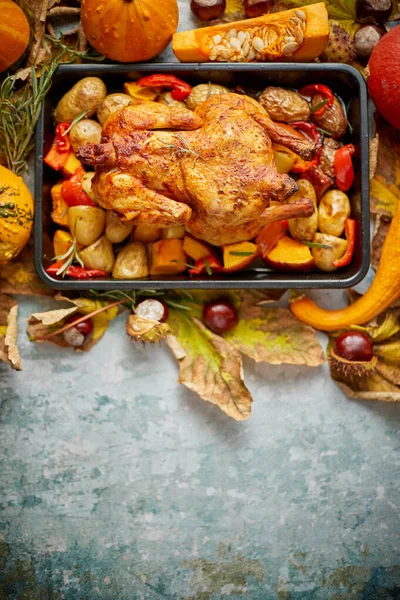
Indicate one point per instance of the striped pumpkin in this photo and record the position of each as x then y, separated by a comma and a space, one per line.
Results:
14, 33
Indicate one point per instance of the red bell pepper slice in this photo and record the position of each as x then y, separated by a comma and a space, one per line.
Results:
323, 90
75, 272
270, 235
180, 89
309, 130
72, 191
58, 153
350, 232
209, 265
343, 167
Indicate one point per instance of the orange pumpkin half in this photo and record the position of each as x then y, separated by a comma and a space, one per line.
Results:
129, 30
14, 33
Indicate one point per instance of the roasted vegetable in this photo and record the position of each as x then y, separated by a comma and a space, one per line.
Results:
239, 256
327, 156
59, 213
169, 233
86, 95
304, 228
334, 209
201, 92
167, 99
131, 262
284, 158
290, 255
99, 255
146, 234
70, 165
300, 40
86, 223
87, 179
84, 132
111, 104
284, 105
116, 230
167, 257
333, 120
324, 257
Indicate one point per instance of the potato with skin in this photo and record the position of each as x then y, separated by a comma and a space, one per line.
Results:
284, 158
201, 92
86, 95
284, 105
324, 257
146, 234
86, 223
116, 230
333, 120
304, 228
111, 104
99, 255
84, 132
87, 184
334, 209
131, 262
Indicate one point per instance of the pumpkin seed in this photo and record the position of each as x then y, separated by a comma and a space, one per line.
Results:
288, 49
258, 44
301, 15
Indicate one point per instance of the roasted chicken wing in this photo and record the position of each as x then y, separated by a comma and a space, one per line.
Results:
212, 170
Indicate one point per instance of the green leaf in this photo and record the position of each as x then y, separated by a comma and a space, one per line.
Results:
209, 365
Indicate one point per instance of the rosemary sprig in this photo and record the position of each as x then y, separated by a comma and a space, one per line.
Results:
319, 105
78, 118
185, 149
130, 299
316, 245
324, 131
19, 112
233, 253
207, 266
71, 256
71, 53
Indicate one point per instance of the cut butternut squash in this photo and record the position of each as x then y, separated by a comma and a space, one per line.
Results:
70, 165
60, 207
168, 257
270, 38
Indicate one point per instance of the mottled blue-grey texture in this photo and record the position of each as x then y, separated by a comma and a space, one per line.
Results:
118, 484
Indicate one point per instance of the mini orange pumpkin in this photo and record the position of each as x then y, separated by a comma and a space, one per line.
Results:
14, 33
129, 30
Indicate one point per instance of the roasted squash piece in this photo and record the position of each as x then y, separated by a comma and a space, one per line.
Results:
168, 257
309, 23
60, 207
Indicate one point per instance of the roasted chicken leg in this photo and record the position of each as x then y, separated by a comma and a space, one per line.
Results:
212, 170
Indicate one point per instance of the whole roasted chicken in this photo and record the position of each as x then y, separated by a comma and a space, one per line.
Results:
212, 170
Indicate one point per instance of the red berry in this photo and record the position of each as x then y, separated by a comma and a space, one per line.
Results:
85, 328
152, 309
354, 346
220, 316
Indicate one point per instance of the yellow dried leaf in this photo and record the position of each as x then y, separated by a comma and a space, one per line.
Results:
8, 332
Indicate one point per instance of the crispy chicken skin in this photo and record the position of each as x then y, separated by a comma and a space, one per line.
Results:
212, 170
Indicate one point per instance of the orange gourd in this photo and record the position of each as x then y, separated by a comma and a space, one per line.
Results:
384, 290
129, 30
14, 33
16, 214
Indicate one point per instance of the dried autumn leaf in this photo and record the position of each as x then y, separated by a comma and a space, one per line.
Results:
146, 330
19, 276
382, 225
209, 365
46, 323
385, 185
396, 11
36, 11
383, 396
373, 155
8, 332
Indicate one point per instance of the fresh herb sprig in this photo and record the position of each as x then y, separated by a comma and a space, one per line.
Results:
70, 256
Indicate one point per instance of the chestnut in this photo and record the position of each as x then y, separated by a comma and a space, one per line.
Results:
220, 316
207, 10
256, 8
366, 39
373, 11
354, 346
77, 335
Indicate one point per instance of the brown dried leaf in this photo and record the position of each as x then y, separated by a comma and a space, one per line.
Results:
19, 276
389, 372
385, 185
381, 228
8, 332
383, 396
396, 11
209, 365
373, 155
37, 15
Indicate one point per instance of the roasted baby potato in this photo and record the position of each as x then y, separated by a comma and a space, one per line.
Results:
87, 184
116, 230
111, 104
84, 132
86, 95
99, 255
201, 92
146, 234
284, 158
284, 105
86, 223
131, 262
333, 120
334, 209
304, 228
324, 257
167, 99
